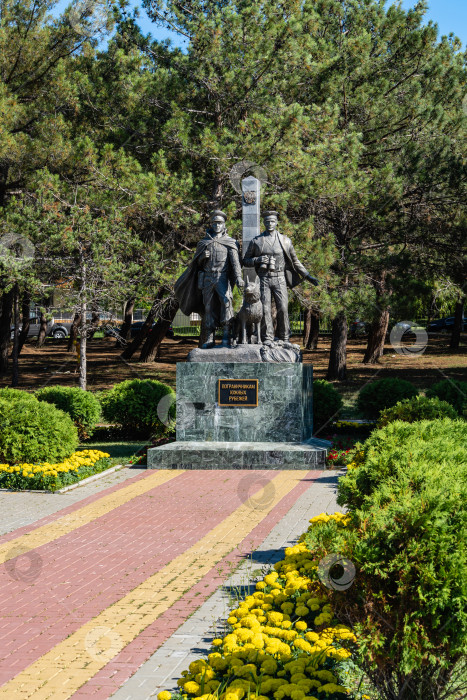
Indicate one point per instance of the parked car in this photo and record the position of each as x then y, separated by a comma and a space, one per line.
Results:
135, 327
358, 328
56, 329
445, 325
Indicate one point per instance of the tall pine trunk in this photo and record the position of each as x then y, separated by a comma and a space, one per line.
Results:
94, 322
82, 348
337, 368
379, 325
26, 320
74, 331
42, 330
15, 354
142, 334
6, 306
377, 337
458, 325
311, 329
158, 333
125, 333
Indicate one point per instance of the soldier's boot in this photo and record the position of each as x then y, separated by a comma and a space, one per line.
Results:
210, 342
226, 335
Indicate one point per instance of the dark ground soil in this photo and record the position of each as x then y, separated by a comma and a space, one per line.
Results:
52, 364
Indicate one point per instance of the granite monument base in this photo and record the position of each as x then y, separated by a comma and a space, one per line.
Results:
284, 410
239, 455
272, 430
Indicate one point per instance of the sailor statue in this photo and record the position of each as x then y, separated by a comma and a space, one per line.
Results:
278, 267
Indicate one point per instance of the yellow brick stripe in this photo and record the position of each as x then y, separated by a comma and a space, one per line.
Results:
67, 523
71, 663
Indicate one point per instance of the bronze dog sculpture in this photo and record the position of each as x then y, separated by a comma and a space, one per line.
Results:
248, 320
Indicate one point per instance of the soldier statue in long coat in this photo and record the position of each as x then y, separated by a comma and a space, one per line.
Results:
206, 285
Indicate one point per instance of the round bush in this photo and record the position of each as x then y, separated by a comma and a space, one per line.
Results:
33, 431
399, 450
383, 393
417, 408
16, 395
133, 405
327, 403
406, 533
453, 392
83, 407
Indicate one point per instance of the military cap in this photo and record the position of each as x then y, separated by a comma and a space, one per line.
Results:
270, 213
218, 212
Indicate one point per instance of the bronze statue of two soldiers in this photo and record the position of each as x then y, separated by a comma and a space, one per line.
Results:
206, 285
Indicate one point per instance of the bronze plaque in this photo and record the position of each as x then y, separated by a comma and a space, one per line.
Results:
238, 392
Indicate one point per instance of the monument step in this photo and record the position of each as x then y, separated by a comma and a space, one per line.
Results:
239, 455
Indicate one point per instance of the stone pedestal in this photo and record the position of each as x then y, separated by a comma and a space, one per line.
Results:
285, 405
275, 434
239, 455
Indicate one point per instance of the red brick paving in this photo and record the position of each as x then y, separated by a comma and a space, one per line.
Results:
126, 663
87, 570
69, 509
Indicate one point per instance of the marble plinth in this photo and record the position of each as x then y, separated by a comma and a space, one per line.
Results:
239, 455
285, 403
275, 434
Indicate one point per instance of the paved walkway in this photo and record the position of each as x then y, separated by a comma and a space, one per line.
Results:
113, 594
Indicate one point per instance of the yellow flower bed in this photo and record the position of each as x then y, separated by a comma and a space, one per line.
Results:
46, 475
283, 641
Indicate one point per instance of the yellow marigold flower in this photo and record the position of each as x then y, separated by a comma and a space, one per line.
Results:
217, 642
275, 618
191, 687
257, 641
311, 636
260, 585
326, 675
297, 695
301, 625
301, 610
287, 608
329, 688
164, 695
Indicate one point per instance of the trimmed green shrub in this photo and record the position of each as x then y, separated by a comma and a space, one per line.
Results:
453, 392
34, 431
16, 395
405, 539
327, 403
83, 407
417, 408
402, 448
383, 393
133, 405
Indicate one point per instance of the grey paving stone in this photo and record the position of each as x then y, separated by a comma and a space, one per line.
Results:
19, 509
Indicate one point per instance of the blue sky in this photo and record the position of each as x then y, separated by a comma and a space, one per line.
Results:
450, 15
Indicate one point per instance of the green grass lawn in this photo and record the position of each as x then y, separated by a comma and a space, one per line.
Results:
120, 452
